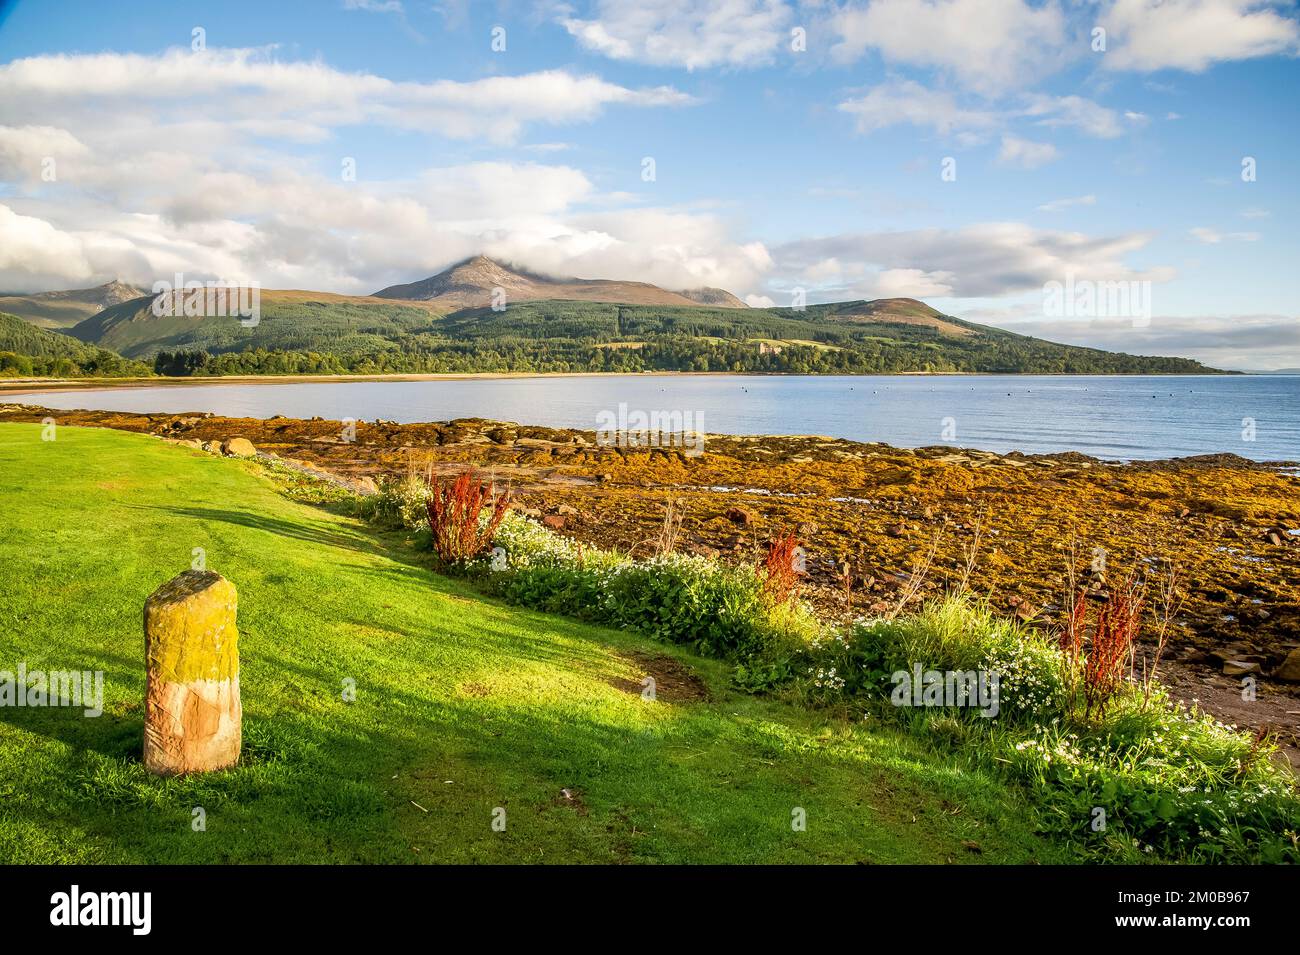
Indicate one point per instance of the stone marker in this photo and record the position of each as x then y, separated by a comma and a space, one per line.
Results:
191, 647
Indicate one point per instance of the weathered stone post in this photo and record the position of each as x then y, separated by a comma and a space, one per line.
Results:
191, 645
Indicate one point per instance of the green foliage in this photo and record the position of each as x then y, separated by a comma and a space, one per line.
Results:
302, 336
28, 351
507, 704
400, 503
716, 609
1167, 780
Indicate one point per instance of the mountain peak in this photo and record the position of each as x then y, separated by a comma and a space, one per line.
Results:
474, 283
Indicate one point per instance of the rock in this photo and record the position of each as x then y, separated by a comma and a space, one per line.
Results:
568, 509
554, 521
238, 448
741, 515
193, 716
1290, 668
366, 485
896, 530
1239, 668
1275, 536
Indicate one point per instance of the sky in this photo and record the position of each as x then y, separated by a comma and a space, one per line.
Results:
976, 154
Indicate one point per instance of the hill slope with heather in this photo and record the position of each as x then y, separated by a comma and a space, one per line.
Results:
473, 282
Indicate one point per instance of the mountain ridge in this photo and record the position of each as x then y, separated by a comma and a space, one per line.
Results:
472, 282
68, 307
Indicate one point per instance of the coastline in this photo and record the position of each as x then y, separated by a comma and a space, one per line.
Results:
890, 515
52, 385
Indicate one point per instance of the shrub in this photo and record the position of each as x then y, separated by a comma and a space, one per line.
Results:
1167, 780
951, 634
717, 609
399, 504
459, 528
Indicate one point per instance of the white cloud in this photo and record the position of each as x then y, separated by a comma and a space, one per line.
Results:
759, 301
1214, 237
990, 46
374, 6
1025, 154
911, 283
1076, 112
908, 102
1056, 205
1147, 35
195, 163
980, 261
261, 95
1248, 342
693, 34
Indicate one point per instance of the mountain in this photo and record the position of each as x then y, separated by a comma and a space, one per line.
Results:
67, 308
471, 283
303, 332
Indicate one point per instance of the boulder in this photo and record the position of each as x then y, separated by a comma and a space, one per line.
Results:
1240, 668
554, 521
1290, 668
238, 448
742, 516
193, 716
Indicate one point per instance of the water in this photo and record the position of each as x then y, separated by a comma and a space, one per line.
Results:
1117, 417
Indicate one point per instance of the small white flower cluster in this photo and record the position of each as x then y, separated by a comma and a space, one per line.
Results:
1029, 679
826, 678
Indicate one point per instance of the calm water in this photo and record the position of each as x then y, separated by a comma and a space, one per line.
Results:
1110, 417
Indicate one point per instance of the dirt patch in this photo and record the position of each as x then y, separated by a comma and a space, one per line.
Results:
475, 689
674, 682
571, 798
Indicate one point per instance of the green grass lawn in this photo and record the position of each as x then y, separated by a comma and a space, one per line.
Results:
462, 704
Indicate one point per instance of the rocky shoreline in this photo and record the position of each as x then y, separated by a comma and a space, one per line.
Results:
878, 523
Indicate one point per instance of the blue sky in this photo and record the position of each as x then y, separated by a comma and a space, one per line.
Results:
776, 169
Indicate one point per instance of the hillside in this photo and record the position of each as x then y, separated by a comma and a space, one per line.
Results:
290, 320
66, 308
463, 704
420, 328
471, 283
21, 337
26, 350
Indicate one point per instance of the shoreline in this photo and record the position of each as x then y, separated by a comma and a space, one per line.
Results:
22, 386
1229, 525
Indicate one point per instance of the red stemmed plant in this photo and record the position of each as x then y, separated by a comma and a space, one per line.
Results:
781, 571
455, 510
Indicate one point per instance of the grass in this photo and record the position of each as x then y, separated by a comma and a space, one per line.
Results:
463, 705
